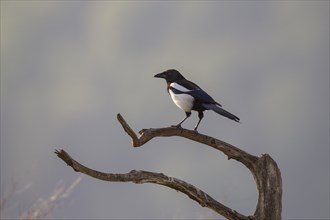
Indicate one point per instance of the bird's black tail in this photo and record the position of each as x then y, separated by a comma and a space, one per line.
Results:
221, 111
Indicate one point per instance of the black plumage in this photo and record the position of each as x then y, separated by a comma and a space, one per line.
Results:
188, 96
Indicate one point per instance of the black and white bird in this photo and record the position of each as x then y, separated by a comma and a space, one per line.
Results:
188, 96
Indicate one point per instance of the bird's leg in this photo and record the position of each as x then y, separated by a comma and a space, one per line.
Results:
187, 116
200, 116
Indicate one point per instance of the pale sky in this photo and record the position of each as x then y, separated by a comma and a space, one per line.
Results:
67, 69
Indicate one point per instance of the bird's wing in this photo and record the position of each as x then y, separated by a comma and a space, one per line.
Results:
195, 91
202, 96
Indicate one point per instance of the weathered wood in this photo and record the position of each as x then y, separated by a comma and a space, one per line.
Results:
264, 170
140, 176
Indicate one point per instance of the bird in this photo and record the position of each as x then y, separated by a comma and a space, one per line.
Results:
188, 96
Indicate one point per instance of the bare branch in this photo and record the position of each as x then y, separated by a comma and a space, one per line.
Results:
147, 134
264, 170
140, 176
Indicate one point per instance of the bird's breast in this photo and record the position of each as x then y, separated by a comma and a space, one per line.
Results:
183, 101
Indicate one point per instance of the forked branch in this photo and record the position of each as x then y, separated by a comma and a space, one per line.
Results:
148, 134
264, 170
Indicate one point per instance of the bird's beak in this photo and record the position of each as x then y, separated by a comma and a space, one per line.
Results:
160, 75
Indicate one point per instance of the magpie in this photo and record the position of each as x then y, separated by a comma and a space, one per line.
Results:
188, 96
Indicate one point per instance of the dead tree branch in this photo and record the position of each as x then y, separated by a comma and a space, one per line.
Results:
140, 176
264, 170
147, 134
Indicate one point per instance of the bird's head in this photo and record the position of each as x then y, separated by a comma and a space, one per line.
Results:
170, 76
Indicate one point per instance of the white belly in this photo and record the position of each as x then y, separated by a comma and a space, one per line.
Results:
183, 101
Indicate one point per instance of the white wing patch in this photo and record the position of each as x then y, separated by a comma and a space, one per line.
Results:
179, 87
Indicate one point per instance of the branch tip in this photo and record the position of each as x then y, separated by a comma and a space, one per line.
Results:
128, 130
65, 157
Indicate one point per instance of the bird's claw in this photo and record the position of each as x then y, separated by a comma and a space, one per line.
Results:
176, 126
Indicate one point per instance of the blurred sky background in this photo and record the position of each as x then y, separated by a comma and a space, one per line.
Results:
68, 67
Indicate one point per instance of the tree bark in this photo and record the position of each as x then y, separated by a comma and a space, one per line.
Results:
264, 170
